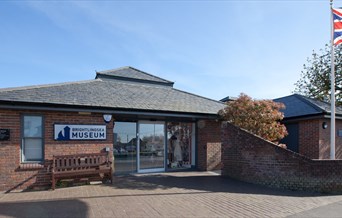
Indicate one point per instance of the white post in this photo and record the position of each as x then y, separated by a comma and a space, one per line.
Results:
332, 78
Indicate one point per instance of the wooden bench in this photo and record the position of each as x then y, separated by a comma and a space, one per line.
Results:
79, 166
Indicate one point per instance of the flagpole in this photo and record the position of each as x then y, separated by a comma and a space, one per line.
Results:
332, 78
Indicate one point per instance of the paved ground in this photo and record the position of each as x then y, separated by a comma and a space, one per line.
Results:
187, 194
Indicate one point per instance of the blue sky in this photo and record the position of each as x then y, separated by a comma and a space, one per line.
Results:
211, 48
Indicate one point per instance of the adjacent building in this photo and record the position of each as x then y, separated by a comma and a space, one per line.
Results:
308, 123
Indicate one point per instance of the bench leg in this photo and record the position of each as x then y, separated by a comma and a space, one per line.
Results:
111, 178
53, 182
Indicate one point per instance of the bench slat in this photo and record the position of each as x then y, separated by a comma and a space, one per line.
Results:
82, 171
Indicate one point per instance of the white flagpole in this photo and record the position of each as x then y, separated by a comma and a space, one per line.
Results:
332, 78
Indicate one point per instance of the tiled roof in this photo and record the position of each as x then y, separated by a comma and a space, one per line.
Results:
115, 94
133, 74
298, 105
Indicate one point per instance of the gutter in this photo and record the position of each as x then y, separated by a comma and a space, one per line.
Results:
64, 108
324, 115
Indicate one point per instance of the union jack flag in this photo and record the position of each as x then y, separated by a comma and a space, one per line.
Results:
337, 19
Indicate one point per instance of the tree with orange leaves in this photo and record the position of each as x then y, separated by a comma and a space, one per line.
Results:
260, 117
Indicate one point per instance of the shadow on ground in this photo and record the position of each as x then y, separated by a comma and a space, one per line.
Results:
57, 208
205, 183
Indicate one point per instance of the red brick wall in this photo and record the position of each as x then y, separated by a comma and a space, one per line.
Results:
15, 175
10, 150
338, 140
53, 147
209, 145
324, 140
309, 138
249, 158
314, 141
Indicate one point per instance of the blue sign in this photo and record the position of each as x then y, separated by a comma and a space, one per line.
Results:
65, 132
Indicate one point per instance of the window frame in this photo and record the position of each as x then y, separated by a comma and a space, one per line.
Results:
22, 146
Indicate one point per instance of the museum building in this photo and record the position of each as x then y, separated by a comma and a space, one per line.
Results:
143, 123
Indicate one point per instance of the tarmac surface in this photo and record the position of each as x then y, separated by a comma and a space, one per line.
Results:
176, 194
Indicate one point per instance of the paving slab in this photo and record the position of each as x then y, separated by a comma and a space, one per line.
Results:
176, 194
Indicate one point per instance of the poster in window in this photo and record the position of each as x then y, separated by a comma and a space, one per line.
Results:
4, 134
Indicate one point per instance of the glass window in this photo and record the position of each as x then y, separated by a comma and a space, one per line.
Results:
32, 126
32, 141
180, 145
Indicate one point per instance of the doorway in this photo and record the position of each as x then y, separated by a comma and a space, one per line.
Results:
125, 147
151, 147
139, 147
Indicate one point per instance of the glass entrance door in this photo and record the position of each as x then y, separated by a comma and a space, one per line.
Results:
151, 147
125, 147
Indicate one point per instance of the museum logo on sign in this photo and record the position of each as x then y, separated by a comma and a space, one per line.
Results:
79, 132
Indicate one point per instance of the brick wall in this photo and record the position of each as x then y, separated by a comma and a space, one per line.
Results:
314, 141
309, 138
249, 158
324, 140
209, 145
17, 175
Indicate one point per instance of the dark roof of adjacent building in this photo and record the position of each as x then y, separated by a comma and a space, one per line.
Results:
122, 89
299, 106
228, 98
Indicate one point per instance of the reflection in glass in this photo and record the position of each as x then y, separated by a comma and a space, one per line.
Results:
152, 143
180, 139
125, 147
33, 126
32, 140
